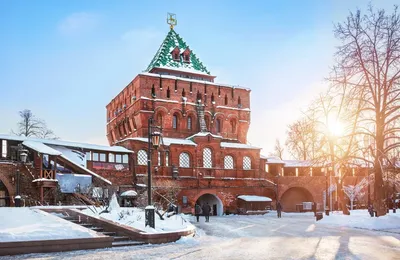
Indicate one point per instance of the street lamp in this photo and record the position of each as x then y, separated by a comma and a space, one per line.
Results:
368, 189
327, 192
277, 187
23, 155
154, 138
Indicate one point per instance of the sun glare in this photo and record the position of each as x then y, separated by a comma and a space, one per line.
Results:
335, 127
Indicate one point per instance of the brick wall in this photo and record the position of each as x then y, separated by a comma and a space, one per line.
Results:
162, 98
28, 190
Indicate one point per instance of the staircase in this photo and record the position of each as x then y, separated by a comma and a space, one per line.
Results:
30, 171
83, 199
200, 116
118, 240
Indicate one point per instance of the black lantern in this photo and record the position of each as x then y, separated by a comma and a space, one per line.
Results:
155, 139
23, 155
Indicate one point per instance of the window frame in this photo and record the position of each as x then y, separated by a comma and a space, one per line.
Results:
142, 157
225, 162
207, 162
186, 159
246, 163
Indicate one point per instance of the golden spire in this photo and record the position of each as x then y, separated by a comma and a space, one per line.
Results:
171, 20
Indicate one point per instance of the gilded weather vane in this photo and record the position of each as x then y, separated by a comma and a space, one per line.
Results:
171, 20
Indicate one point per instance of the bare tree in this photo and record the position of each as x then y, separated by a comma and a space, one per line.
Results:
368, 72
300, 140
31, 126
278, 149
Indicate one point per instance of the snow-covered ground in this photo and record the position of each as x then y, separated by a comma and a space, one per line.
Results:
362, 219
135, 217
294, 236
27, 224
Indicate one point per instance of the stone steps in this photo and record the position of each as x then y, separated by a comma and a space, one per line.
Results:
119, 241
127, 243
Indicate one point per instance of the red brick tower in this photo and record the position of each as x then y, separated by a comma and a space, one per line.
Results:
204, 123
179, 92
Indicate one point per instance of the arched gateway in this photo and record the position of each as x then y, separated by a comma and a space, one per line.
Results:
212, 200
295, 196
4, 195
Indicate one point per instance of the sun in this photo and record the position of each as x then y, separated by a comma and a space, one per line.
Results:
335, 127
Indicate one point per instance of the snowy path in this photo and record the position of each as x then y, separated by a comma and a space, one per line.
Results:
257, 237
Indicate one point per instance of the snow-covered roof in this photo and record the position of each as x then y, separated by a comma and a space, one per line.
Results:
203, 134
253, 198
297, 163
117, 149
44, 179
238, 146
77, 157
41, 148
129, 193
189, 70
234, 108
263, 157
274, 160
166, 140
164, 59
191, 80
86, 170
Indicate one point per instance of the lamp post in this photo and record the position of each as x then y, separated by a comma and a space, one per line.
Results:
23, 155
326, 193
277, 187
153, 140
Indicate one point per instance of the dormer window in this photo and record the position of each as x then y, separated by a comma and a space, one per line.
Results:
175, 54
186, 58
186, 55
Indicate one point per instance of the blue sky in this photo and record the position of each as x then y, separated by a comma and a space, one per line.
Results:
65, 60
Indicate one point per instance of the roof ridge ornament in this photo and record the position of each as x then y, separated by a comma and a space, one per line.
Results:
171, 20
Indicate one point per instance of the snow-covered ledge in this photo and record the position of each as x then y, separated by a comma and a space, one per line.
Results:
44, 179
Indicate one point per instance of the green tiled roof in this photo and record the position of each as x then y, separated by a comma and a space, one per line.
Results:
163, 57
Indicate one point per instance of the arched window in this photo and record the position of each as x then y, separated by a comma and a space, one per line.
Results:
175, 122
160, 119
189, 123
226, 100
166, 158
153, 91
246, 163
233, 126
218, 125
207, 158
184, 160
142, 157
228, 162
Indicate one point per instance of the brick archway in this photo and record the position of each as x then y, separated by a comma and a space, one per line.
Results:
9, 187
208, 197
294, 196
314, 185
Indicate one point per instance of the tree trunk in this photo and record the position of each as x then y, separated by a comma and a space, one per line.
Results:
341, 196
378, 185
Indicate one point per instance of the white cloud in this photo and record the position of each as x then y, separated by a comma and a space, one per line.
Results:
77, 23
